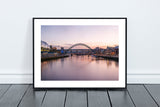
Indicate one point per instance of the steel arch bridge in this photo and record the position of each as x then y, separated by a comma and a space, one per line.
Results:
82, 44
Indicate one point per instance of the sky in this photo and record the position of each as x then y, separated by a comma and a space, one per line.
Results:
91, 35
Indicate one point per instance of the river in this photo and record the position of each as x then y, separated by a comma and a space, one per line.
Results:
80, 68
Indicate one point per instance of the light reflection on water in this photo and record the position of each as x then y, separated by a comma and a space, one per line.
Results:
80, 68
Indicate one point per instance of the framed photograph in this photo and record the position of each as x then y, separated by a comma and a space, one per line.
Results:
79, 52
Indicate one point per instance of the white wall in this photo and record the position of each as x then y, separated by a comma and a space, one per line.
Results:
143, 33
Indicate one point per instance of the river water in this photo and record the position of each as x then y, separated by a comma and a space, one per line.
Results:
80, 68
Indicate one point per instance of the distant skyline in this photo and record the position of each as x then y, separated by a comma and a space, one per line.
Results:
92, 35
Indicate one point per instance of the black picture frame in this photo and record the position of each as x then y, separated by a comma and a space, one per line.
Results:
33, 28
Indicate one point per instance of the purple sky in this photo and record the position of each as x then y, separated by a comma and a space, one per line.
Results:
92, 35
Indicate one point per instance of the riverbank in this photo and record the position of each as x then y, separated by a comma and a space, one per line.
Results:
108, 57
53, 57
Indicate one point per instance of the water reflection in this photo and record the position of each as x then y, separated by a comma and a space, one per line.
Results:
80, 68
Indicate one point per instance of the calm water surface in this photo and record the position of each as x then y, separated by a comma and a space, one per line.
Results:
80, 68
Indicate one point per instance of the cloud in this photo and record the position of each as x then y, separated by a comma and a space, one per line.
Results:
56, 46
68, 44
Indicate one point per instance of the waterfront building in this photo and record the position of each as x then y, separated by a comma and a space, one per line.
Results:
97, 50
62, 50
112, 50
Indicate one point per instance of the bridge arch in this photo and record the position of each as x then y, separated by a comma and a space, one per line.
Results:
82, 44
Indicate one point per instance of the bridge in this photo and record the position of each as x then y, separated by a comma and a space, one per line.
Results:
81, 44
